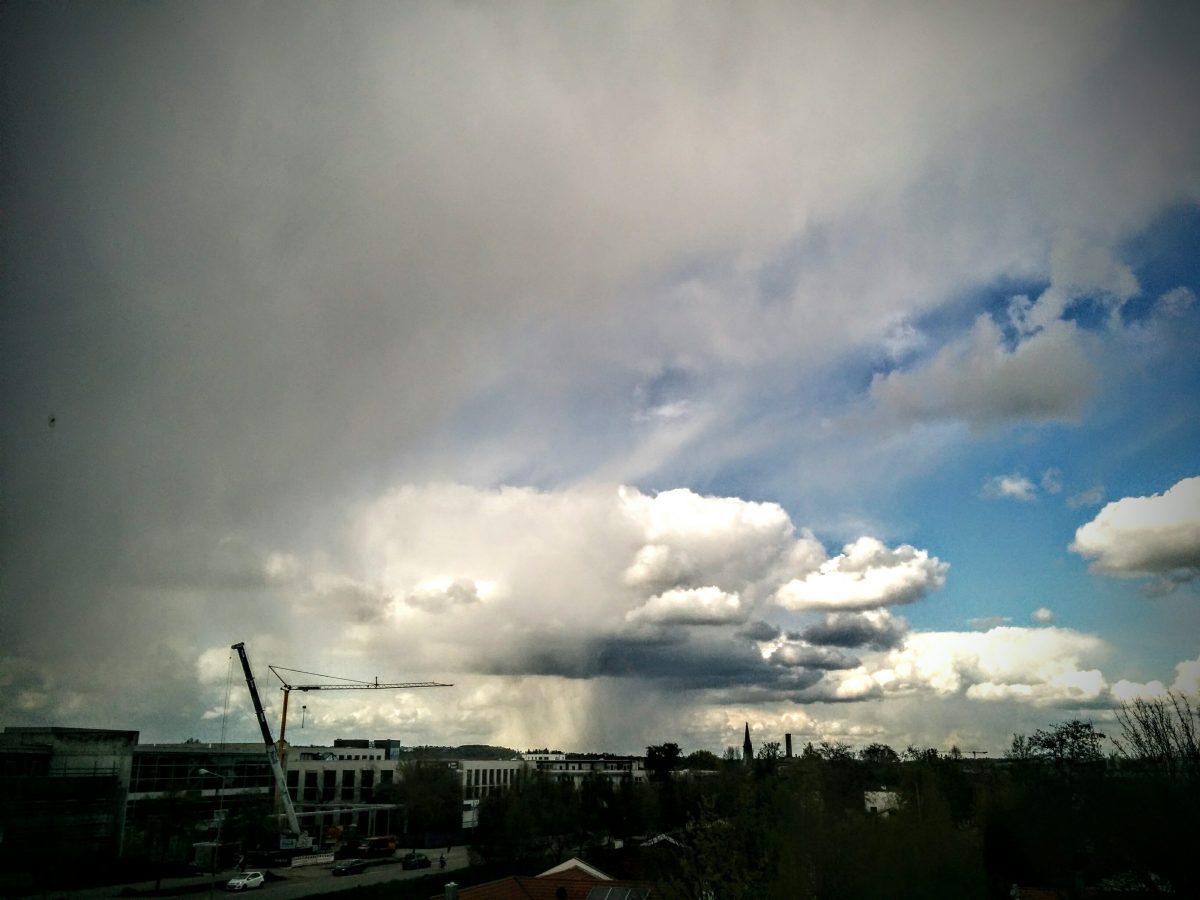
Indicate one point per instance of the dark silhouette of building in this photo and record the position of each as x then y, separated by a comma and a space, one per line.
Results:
747, 747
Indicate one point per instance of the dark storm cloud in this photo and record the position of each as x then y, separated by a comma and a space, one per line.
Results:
813, 657
879, 632
673, 660
759, 631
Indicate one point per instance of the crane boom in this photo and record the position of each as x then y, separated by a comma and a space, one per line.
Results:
349, 685
272, 751
363, 687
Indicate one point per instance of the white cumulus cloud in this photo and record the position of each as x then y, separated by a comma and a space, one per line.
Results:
1046, 666
690, 606
1137, 536
1010, 487
1187, 677
866, 575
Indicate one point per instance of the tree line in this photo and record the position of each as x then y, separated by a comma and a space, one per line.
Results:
1066, 808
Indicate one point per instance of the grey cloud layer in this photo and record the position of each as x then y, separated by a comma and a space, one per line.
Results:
877, 630
265, 264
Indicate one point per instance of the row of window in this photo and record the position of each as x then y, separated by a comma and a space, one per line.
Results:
160, 772
490, 777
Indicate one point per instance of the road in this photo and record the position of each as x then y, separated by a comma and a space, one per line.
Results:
306, 881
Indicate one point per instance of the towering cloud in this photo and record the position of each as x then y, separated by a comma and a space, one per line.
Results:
350, 320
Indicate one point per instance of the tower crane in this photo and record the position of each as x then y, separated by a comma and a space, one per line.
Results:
277, 753
348, 684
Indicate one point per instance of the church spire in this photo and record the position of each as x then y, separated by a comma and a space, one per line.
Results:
747, 747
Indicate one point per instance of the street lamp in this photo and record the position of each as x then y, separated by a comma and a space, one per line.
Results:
212, 859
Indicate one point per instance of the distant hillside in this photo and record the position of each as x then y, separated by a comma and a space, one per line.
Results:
466, 751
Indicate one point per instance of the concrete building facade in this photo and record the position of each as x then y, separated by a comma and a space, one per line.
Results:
63, 794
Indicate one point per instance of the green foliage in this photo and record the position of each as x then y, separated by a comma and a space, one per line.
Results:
1020, 749
1066, 742
430, 794
1054, 814
1072, 741
878, 754
661, 759
702, 760
787, 835
253, 824
835, 751
164, 830
770, 751
539, 816
920, 754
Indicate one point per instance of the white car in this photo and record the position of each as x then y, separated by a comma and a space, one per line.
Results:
246, 881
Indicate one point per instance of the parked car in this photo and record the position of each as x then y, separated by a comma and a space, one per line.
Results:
246, 881
355, 865
350, 867
416, 861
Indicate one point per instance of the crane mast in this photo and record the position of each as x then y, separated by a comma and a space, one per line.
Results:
272, 751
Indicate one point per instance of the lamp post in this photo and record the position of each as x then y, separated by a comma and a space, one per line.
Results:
212, 860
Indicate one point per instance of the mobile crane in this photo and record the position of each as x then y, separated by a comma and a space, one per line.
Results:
302, 840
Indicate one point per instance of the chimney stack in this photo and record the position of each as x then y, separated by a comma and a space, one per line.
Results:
787, 746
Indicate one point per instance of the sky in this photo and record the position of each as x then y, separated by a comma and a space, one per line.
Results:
642, 369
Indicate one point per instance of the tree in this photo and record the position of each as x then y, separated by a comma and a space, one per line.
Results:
164, 830
835, 751
704, 760
430, 794
661, 759
1162, 785
1019, 749
921, 754
1163, 733
770, 751
1068, 742
878, 754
